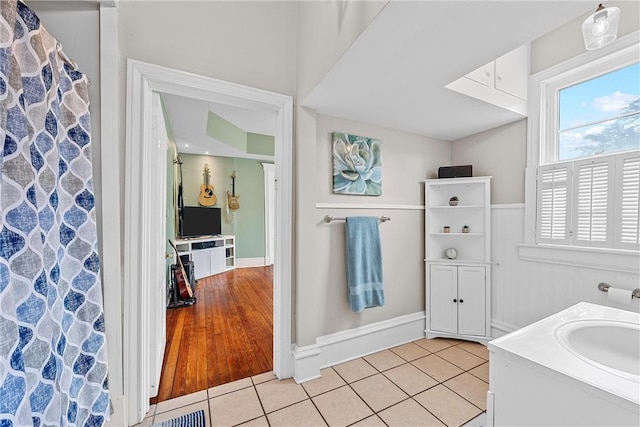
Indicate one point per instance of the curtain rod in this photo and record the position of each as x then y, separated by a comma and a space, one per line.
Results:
65, 58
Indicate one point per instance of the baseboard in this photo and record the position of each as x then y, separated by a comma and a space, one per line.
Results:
499, 328
305, 363
118, 414
350, 344
250, 262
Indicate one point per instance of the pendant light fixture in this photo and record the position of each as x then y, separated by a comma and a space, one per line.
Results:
601, 28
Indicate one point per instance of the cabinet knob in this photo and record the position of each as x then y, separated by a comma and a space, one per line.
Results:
461, 301
455, 300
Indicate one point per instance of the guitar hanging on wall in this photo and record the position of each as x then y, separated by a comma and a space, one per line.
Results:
206, 197
233, 201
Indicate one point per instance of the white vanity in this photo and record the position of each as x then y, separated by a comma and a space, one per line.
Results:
579, 367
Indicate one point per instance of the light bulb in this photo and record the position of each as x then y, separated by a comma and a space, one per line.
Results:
600, 27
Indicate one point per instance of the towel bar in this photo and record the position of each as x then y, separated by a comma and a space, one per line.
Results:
329, 218
604, 287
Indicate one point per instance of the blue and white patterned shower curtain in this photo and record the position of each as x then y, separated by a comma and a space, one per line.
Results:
53, 357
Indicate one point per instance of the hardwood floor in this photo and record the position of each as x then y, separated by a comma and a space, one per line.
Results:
226, 336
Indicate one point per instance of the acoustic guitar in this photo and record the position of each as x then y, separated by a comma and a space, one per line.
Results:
206, 197
184, 286
233, 201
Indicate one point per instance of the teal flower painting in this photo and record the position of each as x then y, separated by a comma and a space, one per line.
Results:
357, 167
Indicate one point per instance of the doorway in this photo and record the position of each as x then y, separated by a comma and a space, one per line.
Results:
144, 263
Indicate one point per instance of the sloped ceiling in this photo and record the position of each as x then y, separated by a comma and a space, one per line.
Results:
394, 75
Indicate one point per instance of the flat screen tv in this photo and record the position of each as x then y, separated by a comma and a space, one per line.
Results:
200, 221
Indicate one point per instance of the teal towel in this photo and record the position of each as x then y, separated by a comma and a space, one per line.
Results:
364, 263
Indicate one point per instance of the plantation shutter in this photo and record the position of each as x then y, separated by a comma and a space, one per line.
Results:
593, 205
553, 204
628, 193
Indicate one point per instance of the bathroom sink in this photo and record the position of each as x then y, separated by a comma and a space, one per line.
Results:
608, 344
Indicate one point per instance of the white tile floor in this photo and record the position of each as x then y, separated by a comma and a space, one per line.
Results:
424, 383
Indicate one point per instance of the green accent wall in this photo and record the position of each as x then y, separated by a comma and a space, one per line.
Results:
230, 134
248, 221
227, 132
261, 144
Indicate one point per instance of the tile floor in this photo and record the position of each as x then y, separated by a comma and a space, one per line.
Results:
423, 383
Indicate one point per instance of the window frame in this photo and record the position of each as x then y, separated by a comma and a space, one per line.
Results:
550, 96
543, 92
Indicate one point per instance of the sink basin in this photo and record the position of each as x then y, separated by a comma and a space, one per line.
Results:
608, 344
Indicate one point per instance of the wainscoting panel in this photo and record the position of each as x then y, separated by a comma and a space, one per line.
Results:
524, 292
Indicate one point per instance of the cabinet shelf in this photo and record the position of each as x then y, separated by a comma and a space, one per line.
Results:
457, 261
457, 234
458, 207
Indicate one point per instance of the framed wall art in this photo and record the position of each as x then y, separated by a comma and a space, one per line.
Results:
357, 165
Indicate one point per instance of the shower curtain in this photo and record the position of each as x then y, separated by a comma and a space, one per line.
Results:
53, 369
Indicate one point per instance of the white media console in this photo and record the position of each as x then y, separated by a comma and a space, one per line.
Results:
210, 254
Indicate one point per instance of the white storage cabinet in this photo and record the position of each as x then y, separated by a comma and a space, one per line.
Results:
458, 290
502, 82
210, 255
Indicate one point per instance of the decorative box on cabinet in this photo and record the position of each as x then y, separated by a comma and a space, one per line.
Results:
210, 255
458, 290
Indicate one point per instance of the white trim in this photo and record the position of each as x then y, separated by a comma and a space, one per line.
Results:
350, 344
508, 206
269, 196
598, 258
503, 327
110, 257
368, 206
141, 220
306, 363
250, 262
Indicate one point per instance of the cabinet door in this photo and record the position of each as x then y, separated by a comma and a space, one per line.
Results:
218, 260
483, 75
512, 72
443, 294
471, 301
201, 263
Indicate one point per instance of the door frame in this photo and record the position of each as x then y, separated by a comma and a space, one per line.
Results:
142, 256
269, 217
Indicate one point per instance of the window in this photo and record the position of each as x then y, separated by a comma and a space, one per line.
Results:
600, 115
588, 175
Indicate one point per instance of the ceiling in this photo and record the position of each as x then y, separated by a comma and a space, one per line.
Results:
188, 118
394, 75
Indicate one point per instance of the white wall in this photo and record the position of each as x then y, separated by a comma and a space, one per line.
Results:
324, 30
407, 160
247, 42
566, 42
499, 152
